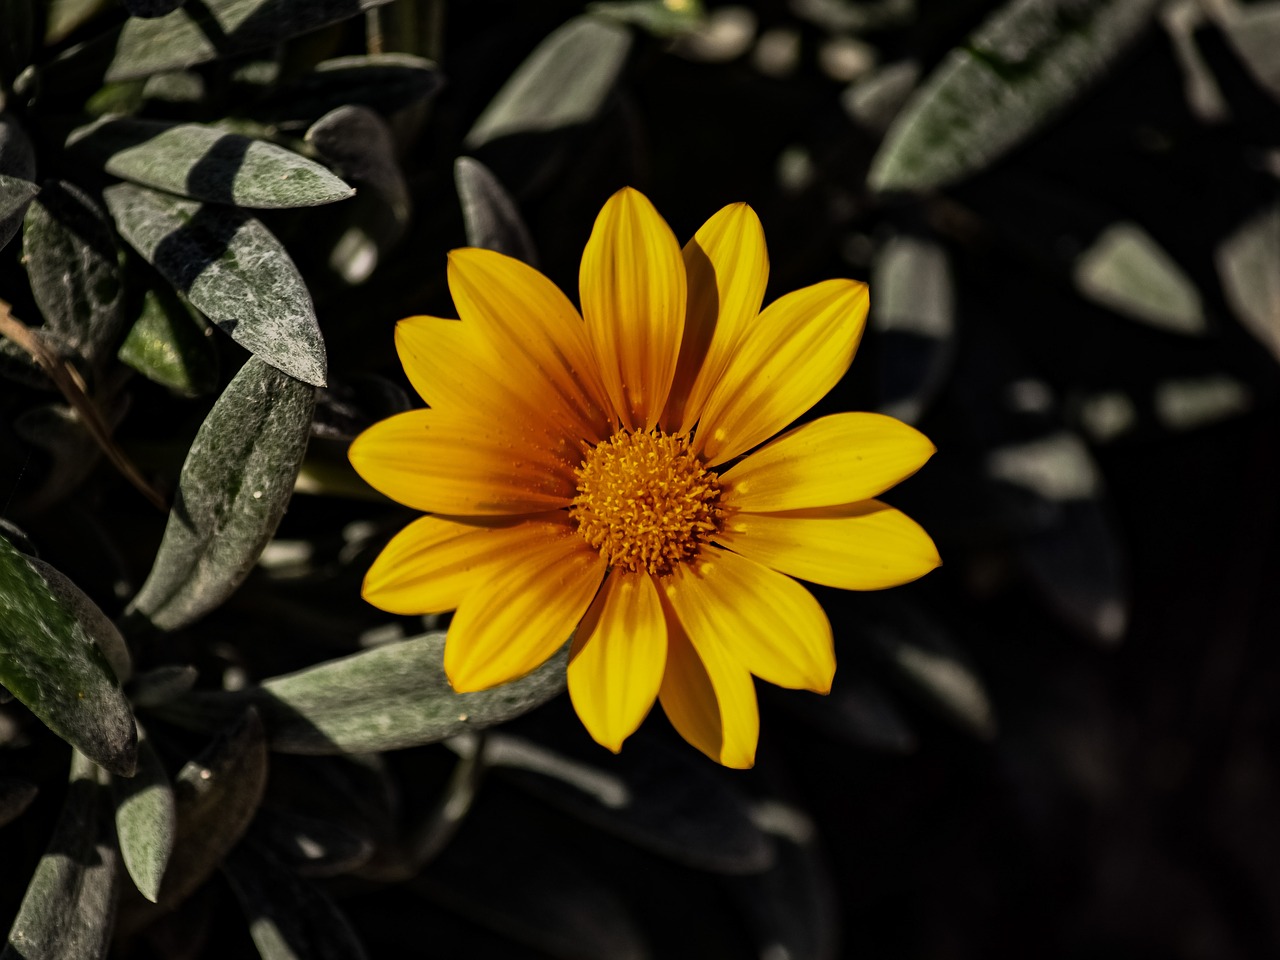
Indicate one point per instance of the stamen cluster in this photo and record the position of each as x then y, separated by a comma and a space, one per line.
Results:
645, 502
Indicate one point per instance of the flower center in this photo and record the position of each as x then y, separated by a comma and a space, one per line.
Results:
644, 501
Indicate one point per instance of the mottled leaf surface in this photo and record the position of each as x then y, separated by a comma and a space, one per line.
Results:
565, 82
215, 29
206, 163
231, 268
385, 83
145, 820
74, 270
235, 484
386, 698
49, 661
1016, 73
69, 907
17, 176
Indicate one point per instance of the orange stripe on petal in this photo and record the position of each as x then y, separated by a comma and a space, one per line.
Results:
436, 461
432, 564
632, 284
510, 625
710, 700
619, 653
772, 624
796, 351
537, 339
727, 266
838, 459
861, 546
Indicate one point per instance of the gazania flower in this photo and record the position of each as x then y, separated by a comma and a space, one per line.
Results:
606, 476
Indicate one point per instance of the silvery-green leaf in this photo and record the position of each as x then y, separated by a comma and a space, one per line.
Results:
215, 798
1017, 72
564, 82
74, 269
930, 665
49, 661
387, 698
206, 163
96, 624
914, 312
289, 918
1253, 29
216, 29
69, 907
669, 802
1181, 19
358, 142
386, 83
170, 344
492, 219
15, 796
790, 909
1246, 262
874, 100
235, 484
1187, 403
145, 820
231, 268
1126, 270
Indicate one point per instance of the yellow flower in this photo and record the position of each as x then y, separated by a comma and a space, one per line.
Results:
587, 473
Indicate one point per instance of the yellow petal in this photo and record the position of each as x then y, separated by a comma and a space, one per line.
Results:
437, 461
537, 337
517, 619
838, 459
633, 298
710, 700
861, 546
771, 625
452, 367
727, 266
619, 653
432, 564
796, 351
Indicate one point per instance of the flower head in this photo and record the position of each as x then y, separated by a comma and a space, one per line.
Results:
606, 476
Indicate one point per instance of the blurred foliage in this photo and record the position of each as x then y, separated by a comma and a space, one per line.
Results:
212, 212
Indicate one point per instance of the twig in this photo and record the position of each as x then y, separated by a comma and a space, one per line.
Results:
68, 380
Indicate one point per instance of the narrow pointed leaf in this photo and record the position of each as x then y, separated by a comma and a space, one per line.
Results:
492, 219
49, 661
69, 907
145, 821
231, 268
386, 698
74, 269
565, 82
235, 485
1126, 270
15, 194
385, 83
215, 29
170, 344
289, 918
215, 798
206, 163
1021, 68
